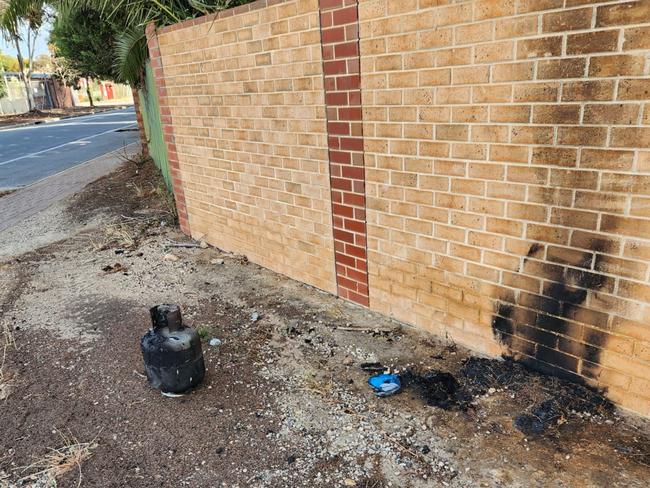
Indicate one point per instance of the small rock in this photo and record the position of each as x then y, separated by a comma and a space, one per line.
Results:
203, 244
492, 391
216, 261
114, 268
255, 317
215, 342
5, 391
171, 257
348, 361
349, 482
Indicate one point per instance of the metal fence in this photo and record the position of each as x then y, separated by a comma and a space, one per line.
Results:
15, 102
152, 124
45, 93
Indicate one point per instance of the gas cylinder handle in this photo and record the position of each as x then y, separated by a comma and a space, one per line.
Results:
166, 315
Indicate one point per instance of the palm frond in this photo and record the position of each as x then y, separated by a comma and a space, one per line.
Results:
207, 6
131, 55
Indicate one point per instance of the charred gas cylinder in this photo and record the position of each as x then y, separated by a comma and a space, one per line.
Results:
173, 359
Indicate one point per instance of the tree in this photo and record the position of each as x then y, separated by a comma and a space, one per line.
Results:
63, 69
128, 19
3, 58
3, 83
20, 21
43, 63
86, 42
8, 63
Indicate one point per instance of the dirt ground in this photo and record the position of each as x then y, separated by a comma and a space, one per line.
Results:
40, 116
285, 402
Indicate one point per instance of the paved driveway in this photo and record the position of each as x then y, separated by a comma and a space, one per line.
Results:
29, 154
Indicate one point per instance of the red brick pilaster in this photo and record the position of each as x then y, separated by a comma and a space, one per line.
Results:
168, 130
138, 117
340, 43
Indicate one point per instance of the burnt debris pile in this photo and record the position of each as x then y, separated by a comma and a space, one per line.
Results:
438, 389
542, 416
477, 375
563, 400
560, 399
552, 401
481, 374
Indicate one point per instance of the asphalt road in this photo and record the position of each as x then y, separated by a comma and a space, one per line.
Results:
29, 154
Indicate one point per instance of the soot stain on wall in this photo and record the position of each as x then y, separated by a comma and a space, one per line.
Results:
539, 329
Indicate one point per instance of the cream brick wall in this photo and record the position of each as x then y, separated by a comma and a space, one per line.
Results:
248, 113
508, 179
506, 146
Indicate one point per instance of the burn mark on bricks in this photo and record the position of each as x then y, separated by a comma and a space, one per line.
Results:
534, 249
502, 326
539, 331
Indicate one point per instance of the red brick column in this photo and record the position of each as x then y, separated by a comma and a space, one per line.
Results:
340, 43
138, 117
168, 130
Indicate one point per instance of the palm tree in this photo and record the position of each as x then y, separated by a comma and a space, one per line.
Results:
14, 15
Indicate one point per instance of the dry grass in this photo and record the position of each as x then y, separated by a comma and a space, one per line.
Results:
8, 341
115, 235
168, 198
59, 461
123, 234
160, 190
139, 190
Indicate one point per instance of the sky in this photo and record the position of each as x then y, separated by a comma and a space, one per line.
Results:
41, 44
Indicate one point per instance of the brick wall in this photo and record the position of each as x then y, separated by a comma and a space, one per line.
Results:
480, 169
245, 91
508, 179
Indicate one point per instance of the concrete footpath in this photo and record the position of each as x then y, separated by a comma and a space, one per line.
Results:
32, 199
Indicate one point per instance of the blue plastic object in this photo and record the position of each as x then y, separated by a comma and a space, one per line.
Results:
385, 384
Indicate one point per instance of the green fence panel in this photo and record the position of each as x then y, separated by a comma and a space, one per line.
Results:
153, 125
